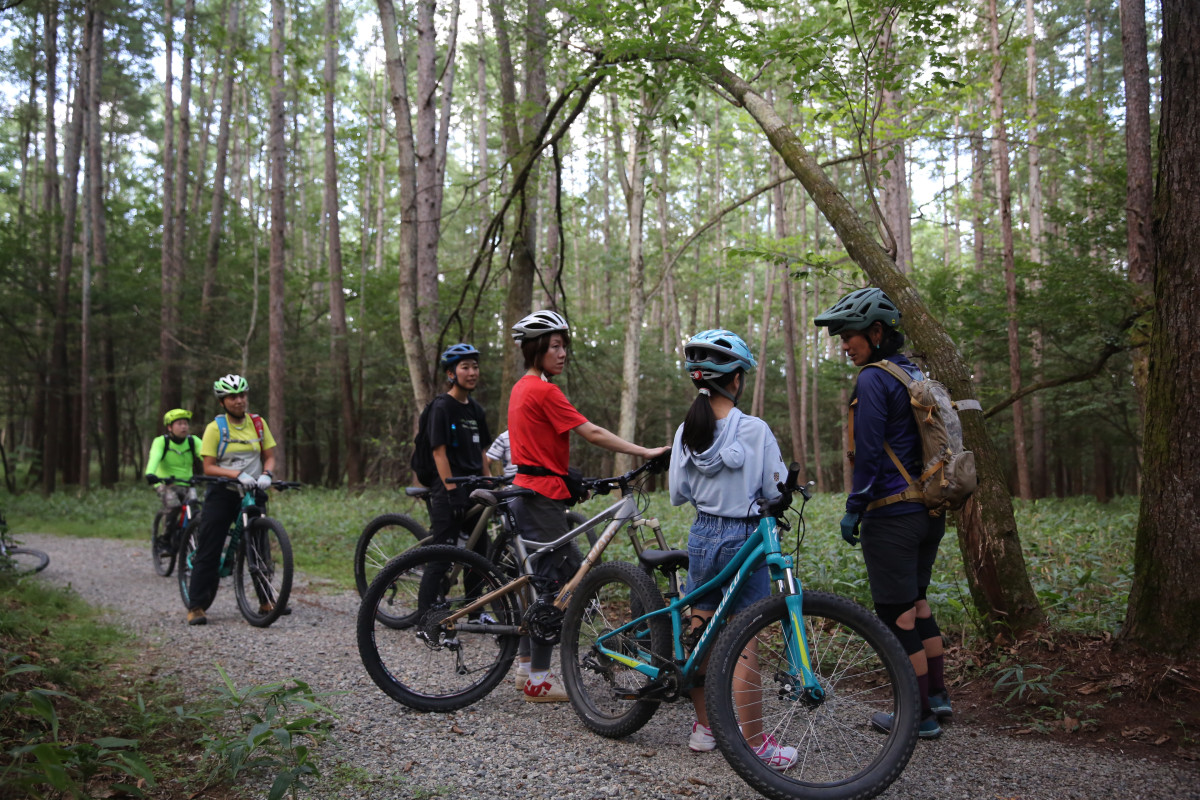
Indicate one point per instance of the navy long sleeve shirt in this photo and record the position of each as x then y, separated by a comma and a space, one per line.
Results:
883, 414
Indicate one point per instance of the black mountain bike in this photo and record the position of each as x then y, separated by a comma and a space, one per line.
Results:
168, 528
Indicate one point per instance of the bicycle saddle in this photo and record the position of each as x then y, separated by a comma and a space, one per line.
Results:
664, 559
494, 497
416, 491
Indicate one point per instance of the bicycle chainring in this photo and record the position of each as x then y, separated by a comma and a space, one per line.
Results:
544, 621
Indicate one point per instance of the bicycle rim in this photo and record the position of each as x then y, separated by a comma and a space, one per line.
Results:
425, 666
263, 572
384, 538
26, 560
862, 670
162, 554
187, 551
599, 687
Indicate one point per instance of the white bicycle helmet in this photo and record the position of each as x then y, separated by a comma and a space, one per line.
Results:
230, 384
537, 324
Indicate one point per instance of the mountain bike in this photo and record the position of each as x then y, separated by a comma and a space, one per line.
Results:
168, 528
805, 670
390, 535
258, 555
455, 651
16, 559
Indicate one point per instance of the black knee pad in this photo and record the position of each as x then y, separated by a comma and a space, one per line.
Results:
927, 628
910, 640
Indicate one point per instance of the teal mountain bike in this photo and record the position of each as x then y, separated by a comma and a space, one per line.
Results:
801, 670
16, 559
258, 554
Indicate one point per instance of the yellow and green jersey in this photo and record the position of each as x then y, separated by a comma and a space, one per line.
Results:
243, 451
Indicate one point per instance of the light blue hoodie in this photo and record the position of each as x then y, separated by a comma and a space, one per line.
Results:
741, 465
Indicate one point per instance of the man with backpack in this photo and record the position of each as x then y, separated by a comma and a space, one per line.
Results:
237, 445
454, 433
175, 454
900, 531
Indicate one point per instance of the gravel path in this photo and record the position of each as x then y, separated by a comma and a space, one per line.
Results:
502, 747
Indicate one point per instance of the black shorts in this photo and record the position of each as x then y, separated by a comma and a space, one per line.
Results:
900, 552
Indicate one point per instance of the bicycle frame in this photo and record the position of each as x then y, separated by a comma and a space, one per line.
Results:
763, 546
621, 513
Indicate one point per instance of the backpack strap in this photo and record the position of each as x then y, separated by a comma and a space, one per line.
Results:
223, 427
913, 492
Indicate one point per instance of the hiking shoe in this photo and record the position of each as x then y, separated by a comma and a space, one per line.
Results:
939, 704
929, 728
701, 740
548, 691
521, 674
775, 755
196, 617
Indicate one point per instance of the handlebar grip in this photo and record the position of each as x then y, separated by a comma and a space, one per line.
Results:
793, 474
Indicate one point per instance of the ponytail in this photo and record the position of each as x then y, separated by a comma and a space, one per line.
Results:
700, 424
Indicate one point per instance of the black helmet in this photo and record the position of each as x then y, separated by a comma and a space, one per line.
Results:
858, 310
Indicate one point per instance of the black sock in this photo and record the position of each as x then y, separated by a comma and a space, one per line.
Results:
923, 687
937, 673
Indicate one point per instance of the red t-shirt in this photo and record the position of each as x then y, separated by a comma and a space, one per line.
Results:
540, 421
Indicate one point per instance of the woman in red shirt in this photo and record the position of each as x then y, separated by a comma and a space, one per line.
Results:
540, 421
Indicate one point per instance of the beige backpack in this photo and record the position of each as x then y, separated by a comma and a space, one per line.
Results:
949, 477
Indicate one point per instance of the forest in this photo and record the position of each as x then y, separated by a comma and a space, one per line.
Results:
322, 196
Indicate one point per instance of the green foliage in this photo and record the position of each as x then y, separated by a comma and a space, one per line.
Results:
1026, 682
264, 730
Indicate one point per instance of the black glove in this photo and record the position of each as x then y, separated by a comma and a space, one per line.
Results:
151, 479
459, 502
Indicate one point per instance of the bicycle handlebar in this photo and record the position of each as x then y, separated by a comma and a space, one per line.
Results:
480, 481
787, 488
654, 466
171, 480
280, 485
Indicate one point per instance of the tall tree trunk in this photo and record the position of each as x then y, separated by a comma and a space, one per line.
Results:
58, 416
179, 225
415, 356
169, 316
99, 248
1164, 600
897, 214
794, 400
1000, 153
1037, 411
988, 536
339, 345
216, 219
275, 316
1139, 186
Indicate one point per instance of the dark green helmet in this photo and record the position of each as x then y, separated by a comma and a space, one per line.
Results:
858, 310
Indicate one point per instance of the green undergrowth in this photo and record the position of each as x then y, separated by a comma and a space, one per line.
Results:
84, 714
1078, 552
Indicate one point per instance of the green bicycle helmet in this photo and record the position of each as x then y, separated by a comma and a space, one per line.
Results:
174, 414
230, 384
858, 310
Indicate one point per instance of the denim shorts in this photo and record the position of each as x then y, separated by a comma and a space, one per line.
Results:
712, 544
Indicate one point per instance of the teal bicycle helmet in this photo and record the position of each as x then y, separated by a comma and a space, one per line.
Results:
230, 384
456, 353
710, 354
859, 310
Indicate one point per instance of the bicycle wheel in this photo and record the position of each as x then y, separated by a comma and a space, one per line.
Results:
861, 668
384, 538
262, 573
26, 560
162, 554
428, 667
599, 687
187, 551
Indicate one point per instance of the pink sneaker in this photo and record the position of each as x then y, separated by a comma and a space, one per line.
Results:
701, 740
548, 691
775, 755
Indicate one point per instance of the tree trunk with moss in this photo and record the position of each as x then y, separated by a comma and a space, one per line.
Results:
1164, 601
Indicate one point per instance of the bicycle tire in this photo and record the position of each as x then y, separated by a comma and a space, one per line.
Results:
183, 563
454, 670
26, 560
862, 669
162, 554
384, 538
262, 572
611, 595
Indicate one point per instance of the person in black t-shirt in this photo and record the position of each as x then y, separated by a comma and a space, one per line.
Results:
459, 438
